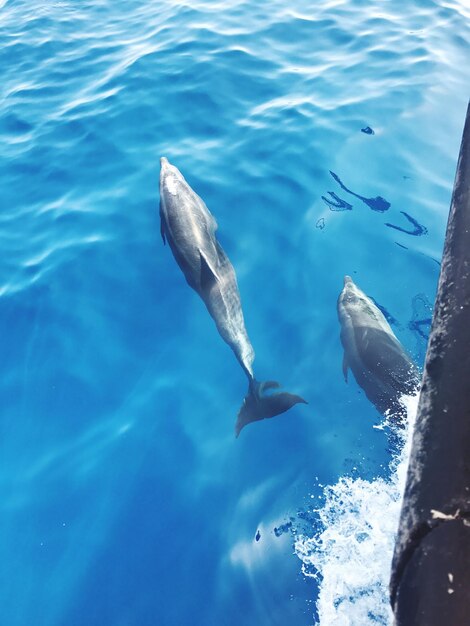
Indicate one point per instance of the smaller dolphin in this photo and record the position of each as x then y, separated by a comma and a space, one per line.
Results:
189, 228
377, 359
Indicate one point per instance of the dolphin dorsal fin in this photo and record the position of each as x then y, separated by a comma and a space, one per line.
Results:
345, 367
208, 275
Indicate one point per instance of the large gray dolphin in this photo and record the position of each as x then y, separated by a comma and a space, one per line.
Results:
189, 228
377, 359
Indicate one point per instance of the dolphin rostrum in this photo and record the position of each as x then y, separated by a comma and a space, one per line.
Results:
189, 228
377, 359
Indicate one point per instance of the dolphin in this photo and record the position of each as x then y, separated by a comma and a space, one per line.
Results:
377, 359
189, 228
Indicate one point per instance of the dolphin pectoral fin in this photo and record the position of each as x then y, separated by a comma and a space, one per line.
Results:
257, 406
345, 367
208, 275
162, 227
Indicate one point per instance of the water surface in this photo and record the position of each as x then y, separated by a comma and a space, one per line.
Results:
125, 498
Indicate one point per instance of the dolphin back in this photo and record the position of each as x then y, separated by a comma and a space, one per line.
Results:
382, 354
259, 405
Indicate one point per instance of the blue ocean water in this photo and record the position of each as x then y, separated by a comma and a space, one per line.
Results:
323, 137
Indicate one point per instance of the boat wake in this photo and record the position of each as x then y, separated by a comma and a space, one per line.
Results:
350, 554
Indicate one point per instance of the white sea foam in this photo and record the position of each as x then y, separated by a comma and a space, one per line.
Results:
350, 555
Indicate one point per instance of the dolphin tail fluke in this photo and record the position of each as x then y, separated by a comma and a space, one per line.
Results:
259, 405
